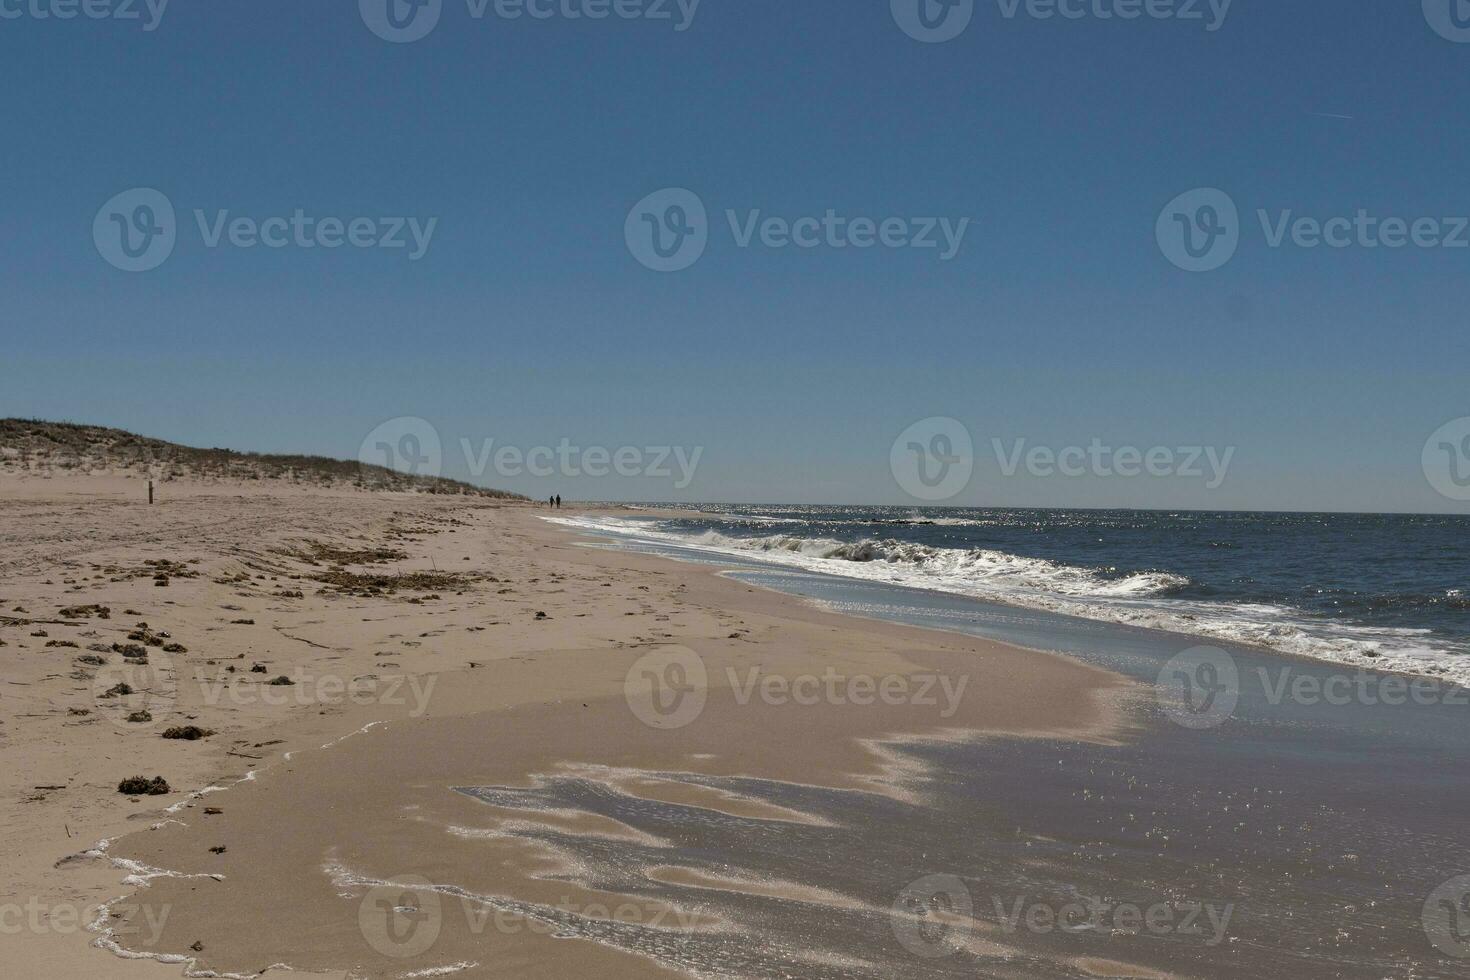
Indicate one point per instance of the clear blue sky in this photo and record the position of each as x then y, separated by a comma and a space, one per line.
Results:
528, 320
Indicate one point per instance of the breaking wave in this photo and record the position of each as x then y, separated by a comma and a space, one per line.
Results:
1149, 599
976, 566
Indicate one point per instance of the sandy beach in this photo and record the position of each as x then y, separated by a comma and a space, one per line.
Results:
911, 490
397, 688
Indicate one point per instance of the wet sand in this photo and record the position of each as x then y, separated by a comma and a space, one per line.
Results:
570, 760
354, 798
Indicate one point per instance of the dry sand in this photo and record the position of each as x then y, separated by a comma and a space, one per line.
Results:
507, 670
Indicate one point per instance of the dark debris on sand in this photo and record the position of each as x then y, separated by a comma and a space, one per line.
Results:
143, 786
188, 732
368, 585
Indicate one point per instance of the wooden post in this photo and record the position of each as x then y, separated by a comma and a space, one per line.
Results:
150, 491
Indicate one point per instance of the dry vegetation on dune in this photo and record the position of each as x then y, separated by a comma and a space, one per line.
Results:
40, 448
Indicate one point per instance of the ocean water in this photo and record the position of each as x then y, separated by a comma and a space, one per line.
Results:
1312, 870
1327, 831
1370, 590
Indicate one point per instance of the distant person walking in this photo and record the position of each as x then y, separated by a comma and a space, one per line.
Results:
558, 501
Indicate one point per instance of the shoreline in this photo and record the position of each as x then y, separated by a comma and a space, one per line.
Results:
1290, 656
724, 603
1375, 664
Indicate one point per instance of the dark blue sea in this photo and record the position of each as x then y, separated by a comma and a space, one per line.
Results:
1369, 590
1330, 825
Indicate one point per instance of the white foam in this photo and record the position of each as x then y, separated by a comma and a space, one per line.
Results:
365, 728
139, 875
1143, 599
442, 971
